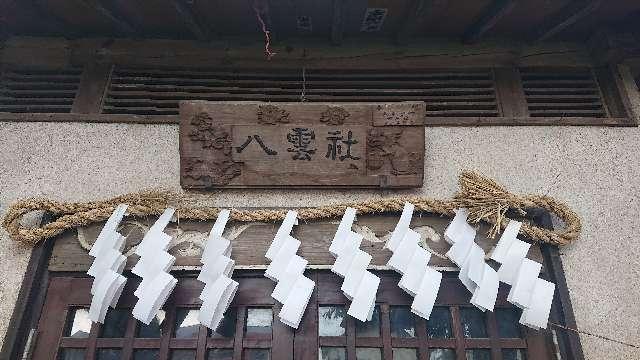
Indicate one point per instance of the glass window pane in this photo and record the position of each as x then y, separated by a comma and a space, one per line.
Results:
442, 354
513, 354
259, 321
332, 353
78, 324
109, 354
154, 329
71, 354
368, 354
473, 323
508, 326
227, 327
439, 324
331, 321
186, 324
403, 322
478, 354
405, 354
369, 328
220, 354
256, 354
146, 354
115, 323
183, 354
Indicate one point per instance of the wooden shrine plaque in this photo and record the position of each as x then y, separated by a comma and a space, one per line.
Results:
256, 144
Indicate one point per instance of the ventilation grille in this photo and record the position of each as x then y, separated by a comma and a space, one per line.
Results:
566, 93
38, 91
158, 91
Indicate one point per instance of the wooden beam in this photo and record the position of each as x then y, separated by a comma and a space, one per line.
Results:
510, 93
120, 24
429, 121
337, 24
488, 20
567, 16
93, 86
185, 10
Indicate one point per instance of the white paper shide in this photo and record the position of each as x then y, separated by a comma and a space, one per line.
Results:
217, 268
107, 267
475, 274
360, 286
528, 292
153, 267
411, 260
293, 290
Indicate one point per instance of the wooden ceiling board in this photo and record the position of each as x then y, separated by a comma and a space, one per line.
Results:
231, 17
396, 13
159, 19
452, 18
526, 16
285, 14
355, 10
80, 15
21, 16
610, 13
152, 16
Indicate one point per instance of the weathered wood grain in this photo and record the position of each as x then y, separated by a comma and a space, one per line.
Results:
253, 239
254, 144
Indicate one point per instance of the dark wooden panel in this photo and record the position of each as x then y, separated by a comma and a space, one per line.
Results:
252, 240
250, 144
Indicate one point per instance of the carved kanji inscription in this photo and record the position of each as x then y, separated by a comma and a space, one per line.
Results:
251, 144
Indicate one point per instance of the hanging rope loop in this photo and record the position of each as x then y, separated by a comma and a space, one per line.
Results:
485, 199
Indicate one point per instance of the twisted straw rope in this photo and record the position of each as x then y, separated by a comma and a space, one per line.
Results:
485, 199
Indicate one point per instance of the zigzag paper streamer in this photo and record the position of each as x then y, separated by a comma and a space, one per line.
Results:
217, 267
409, 259
107, 267
153, 267
528, 291
293, 290
475, 274
359, 285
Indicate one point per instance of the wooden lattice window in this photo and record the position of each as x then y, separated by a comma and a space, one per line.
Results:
564, 92
455, 330
158, 91
38, 91
251, 330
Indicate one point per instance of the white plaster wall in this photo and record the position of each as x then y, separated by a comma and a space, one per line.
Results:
595, 170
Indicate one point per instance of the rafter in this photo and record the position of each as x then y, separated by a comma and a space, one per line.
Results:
488, 19
567, 16
337, 23
185, 9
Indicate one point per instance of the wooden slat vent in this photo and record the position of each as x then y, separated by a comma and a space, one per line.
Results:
158, 91
570, 93
38, 91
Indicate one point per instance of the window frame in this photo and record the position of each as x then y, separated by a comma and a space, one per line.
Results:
21, 335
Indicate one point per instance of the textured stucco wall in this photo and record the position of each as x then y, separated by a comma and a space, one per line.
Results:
595, 170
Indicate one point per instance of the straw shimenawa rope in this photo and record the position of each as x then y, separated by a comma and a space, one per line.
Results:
485, 199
